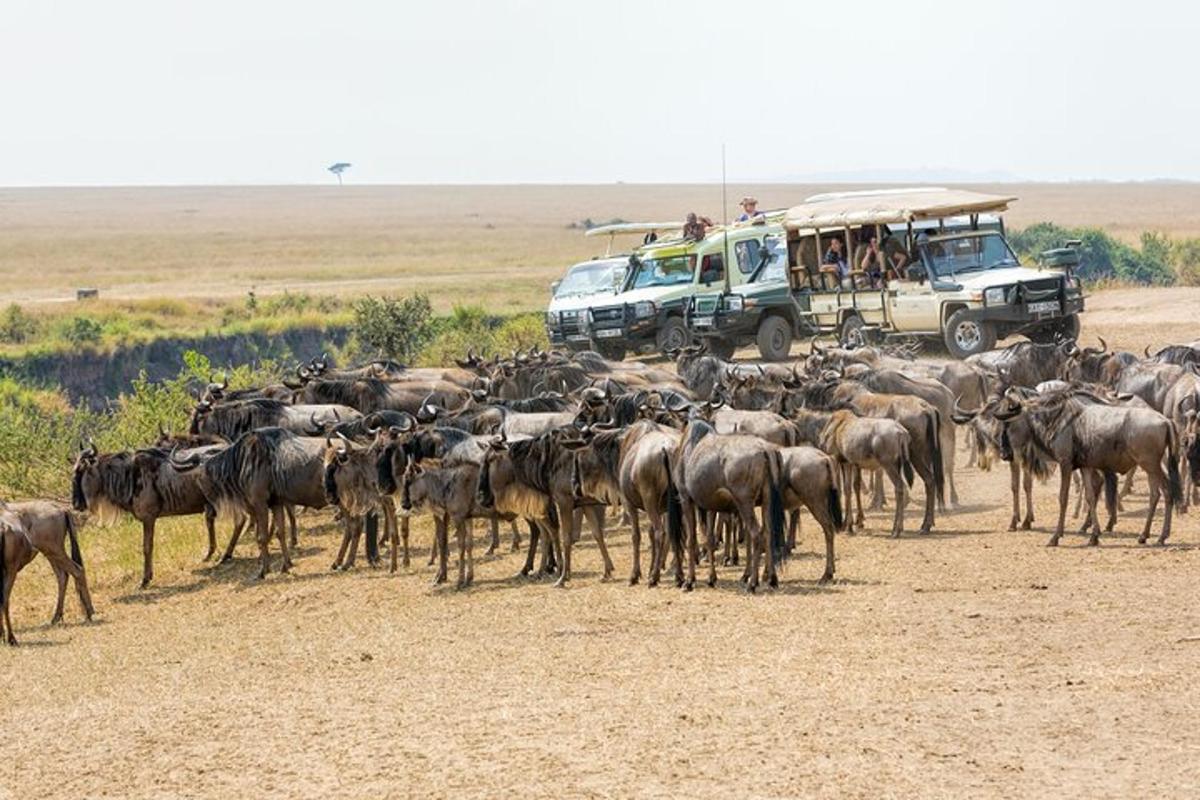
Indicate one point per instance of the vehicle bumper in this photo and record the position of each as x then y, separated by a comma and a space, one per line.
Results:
1023, 316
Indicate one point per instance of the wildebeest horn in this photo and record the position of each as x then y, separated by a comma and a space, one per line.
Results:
409, 420
676, 403
1146, 350
1103, 344
183, 463
479, 395
815, 348
959, 415
88, 449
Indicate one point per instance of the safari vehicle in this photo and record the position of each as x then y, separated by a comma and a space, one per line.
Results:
587, 282
957, 278
663, 277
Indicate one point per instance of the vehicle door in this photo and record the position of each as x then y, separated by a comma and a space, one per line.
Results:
913, 304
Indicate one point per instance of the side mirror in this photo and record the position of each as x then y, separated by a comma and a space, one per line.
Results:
554, 287
916, 272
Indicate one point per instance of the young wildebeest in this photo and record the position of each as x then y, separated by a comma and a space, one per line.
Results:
449, 494
1103, 437
726, 473
352, 485
810, 481
541, 466
260, 473
14, 546
630, 467
859, 443
140, 484
48, 528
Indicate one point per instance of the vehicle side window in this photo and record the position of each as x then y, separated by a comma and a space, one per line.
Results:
746, 255
712, 268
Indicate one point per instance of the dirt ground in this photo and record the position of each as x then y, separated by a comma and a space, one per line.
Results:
970, 662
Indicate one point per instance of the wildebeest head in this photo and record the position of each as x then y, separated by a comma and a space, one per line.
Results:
350, 478
391, 457
104, 484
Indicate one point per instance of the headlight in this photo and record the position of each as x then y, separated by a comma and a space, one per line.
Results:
1072, 282
551, 318
734, 302
994, 296
643, 309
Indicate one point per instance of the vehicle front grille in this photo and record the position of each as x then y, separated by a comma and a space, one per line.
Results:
570, 323
608, 317
706, 306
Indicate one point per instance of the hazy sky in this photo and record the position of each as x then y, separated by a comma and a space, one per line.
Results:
123, 92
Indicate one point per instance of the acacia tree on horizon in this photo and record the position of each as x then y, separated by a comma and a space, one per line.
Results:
338, 168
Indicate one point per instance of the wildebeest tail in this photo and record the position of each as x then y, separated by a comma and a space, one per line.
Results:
835, 501
76, 553
1174, 484
906, 466
674, 510
775, 513
935, 447
371, 523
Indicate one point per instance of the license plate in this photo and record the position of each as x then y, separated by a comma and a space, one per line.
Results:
702, 322
612, 333
1049, 306
577, 338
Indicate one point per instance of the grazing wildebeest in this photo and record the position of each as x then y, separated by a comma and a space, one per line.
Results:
630, 467
1105, 438
859, 443
231, 419
260, 473
726, 473
140, 484
49, 527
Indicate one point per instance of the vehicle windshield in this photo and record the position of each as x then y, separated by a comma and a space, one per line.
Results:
776, 267
945, 257
589, 278
667, 271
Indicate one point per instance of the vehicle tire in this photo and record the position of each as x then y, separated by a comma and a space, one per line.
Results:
774, 338
673, 335
613, 351
965, 336
854, 333
721, 348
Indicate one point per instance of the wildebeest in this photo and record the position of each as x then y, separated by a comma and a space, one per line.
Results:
859, 443
230, 420
726, 473
1102, 437
260, 473
49, 527
14, 547
140, 484
351, 482
371, 394
809, 482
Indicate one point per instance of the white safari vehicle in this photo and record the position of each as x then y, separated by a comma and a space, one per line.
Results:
955, 276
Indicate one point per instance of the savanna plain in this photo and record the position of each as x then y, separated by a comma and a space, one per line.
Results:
970, 662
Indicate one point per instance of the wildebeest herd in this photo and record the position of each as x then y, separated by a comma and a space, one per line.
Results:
708, 457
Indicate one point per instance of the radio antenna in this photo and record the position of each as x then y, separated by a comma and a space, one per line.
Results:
724, 221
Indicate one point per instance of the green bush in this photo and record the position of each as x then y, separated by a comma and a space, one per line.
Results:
1185, 257
82, 330
1101, 256
16, 326
394, 327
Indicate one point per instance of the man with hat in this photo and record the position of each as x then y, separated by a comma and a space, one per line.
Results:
749, 209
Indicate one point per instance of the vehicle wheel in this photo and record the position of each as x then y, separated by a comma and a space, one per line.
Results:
854, 333
612, 351
774, 338
721, 348
673, 335
966, 336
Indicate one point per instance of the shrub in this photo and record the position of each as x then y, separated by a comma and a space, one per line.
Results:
394, 327
16, 326
1185, 257
82, 330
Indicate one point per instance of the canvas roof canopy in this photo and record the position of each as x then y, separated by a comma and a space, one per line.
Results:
890, 206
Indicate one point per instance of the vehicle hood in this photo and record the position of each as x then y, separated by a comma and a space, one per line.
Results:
654, 293
576, 302
1004, 277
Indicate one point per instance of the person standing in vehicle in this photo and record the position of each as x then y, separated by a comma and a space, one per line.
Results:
695, 227
835, 258
750, 209
872, 262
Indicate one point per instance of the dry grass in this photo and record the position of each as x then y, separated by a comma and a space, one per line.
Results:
499, 245
973, 662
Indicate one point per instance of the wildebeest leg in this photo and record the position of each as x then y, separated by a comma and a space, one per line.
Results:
262, 535
1127, 487
210, 525
404, 539
1064, 495
10, 577
389, 530
688, 581
1027, 478
291, 516
1014, 478
462, 532
534, 535
1078, 495
949, 448
878, 501
897, 478
61, 562
595, 517
353, 526
443, 545
433, 546
858, 495
577, 526
725, 527
516, 536
709, 525
570, 517
754, 545
345, 545
1157, 484
61, 577
635, 542
793, 529
239, 522
147, 551
847, 483
972, 451
930, 493
494, 522
277, 514
1091, 481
